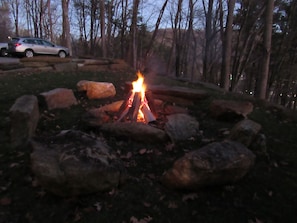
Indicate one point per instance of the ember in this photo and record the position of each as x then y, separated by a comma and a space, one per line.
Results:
137, 106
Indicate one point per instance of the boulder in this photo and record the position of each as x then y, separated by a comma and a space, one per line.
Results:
58, 98
177, 95
245, 132
181, 127
24, 117
137, 131
214, 164
75, 163
96, 90
248, 133
95, 117
228, 110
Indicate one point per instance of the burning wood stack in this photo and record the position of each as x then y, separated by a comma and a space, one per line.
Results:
138, 105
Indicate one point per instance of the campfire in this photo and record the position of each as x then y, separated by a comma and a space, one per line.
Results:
138, 105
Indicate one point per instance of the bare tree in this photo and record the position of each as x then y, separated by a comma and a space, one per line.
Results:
208, 37
66, 38
261, 93
102, 27
133, 35
14, 8
5, 24
156, 28
227, 47
247, 36
49, 24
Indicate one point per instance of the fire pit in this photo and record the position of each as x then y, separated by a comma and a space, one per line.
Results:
137, 106
142, 117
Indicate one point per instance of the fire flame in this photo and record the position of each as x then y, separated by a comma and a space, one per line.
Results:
139, 86
136, 107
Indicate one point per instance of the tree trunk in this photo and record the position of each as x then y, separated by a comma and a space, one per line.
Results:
66, 26
109, 40
124, 27
102, 27
208, 37
133, 34
227, 48
267, 49
156, 28
50, 21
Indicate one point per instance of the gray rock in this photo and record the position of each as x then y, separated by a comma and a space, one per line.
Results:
136, 131
58, 98
228, 110
96, 90
245, 132
181, 127
74, 163
24, 117
214, 164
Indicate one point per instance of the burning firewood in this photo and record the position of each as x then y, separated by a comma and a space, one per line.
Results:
136, 107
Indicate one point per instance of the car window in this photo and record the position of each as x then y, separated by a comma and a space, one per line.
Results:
30, 41
15, 40
46, 43
39, 42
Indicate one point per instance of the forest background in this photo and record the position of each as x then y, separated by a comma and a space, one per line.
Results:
245, 46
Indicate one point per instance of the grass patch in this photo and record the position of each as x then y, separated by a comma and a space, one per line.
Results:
267, 194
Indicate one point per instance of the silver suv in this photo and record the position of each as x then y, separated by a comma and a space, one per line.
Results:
30, 46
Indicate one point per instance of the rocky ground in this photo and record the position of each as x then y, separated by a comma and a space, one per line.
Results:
264, 193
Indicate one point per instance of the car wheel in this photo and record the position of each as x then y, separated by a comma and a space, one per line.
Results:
29, 53
62, 54
3, 52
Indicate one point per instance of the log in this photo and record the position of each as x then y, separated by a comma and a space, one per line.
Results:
151, 102
125, 104
148, 115
133, 111
183, 92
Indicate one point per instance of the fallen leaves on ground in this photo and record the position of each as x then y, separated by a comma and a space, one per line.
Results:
143, 220
172, 205
191, 196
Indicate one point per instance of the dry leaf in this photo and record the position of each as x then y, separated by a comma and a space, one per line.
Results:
143, 220
112, 192
133, 219
5, 201
41, 193
4, 188
142, 151
98, 206
146, 204
169, 147
29, 217
77, 217
128, 155
12, 165
172, 205
162, 197
256, 221
191, 196
151, 176
35, 183
157, 152
19, 154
